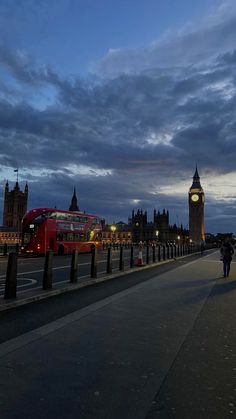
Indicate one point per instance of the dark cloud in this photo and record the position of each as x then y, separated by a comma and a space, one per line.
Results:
19, 64
228, 58
136, 136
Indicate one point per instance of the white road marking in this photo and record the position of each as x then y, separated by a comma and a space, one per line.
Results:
32, 281
54, 269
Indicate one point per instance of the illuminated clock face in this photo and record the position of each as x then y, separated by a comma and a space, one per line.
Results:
194, 197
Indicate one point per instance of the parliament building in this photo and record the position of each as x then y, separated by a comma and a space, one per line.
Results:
14, 208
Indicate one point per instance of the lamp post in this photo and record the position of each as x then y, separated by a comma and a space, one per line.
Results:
157, 235
113, 229
190, 245
178, 248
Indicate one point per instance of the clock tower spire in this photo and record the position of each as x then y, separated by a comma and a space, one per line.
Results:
196, 180
196, 210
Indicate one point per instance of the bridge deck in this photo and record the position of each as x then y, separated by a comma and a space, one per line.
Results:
163, 348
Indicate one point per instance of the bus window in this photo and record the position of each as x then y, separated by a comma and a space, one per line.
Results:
59, 237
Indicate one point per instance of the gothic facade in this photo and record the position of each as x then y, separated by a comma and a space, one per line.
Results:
15, 206
158, 230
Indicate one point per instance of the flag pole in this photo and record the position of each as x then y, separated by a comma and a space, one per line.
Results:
16, 170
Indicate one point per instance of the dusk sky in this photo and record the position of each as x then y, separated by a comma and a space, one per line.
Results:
120, 99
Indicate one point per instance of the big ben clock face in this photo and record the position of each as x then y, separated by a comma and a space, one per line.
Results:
194, 197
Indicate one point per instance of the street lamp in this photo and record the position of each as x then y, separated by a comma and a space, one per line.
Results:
157, 234
178, 238
113, 229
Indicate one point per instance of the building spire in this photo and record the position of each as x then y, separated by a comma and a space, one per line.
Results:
196, 180
74, 204
7, 187
17, 175
196, 175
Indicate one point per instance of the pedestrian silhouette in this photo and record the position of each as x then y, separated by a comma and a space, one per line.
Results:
202, 246
226, 251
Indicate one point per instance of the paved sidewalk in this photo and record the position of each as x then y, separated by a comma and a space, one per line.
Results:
164, 348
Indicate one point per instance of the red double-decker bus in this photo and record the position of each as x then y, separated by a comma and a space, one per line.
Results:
60, 231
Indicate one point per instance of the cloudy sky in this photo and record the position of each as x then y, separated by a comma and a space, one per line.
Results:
120, 99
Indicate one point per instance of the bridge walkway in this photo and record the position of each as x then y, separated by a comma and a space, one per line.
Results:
163, 348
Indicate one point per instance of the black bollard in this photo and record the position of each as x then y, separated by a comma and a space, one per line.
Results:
154, 254
47, 274
94, 263
17, 247
5, 249
109, 261
175, 252
122, 263
147, 255
131, 257
164, 252
168, 251
11, 278
159, 253
178, 250
171, 252
74, 267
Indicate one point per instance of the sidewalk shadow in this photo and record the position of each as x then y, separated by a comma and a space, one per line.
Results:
217, 290
190, 283
192, 291
228, 286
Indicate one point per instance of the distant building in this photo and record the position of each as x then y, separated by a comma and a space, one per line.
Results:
10, 235
74, 205
139, 229
157, 231
220, 237
15, 206
117, 233
161, 224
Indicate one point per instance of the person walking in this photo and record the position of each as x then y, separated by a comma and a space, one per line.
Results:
227, 252
202, 247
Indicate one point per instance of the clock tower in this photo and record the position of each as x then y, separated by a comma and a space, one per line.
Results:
196, 199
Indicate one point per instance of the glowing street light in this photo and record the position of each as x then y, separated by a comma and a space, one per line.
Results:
113, 228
